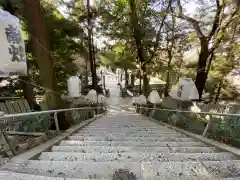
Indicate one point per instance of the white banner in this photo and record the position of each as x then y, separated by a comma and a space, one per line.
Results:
13, 57
185, 91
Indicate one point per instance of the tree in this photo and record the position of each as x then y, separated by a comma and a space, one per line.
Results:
41, 45
170, 43
66, 39
227, 61
138, 24
91, 56
51, 48
211, 40
86, 16
120, 56
138, 30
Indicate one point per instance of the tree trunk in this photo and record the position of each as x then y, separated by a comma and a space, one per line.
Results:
126, 76
140, 85
90, 48
137, 34
94, 62
167, 84
41, 45
132, 80
168, 74
201, 76
118, 75
211, 58
145, 82
219, 90
104, 81
86, 76
145, 85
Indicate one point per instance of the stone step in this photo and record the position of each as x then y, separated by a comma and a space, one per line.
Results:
126, 133
133, 125
135, 156
112, 149
119, 138
130, 135
223, 169
129, 143
138, 126
129, 131
189, 178
96, 170
124, 122
217, 169
65, 169
127, 128
7, 175
122, 130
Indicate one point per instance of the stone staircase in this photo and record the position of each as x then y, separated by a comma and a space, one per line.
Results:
127, 146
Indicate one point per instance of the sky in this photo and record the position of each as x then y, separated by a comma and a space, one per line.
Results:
190, 7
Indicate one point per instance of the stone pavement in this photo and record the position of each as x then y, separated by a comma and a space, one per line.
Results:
131, 143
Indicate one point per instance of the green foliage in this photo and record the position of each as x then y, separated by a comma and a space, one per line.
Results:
192, 36
113, 20
227, 128
33, 123
119, 56
62, 34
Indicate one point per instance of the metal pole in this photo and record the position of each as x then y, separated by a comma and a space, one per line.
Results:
88, 114
154, 110
207, 127
56, 122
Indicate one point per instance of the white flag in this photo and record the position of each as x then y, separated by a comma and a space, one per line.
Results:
186, 90
13, 57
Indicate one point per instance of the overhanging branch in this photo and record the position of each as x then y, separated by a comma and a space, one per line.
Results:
159, 34
216, 21
192, 21
224, 27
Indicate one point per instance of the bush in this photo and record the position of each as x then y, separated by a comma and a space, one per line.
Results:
226, 128
162, 115
33, 123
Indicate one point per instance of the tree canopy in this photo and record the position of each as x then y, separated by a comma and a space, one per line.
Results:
149, 38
